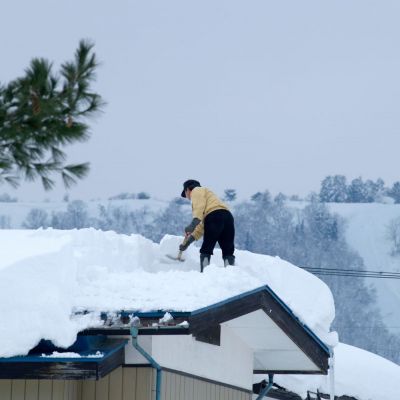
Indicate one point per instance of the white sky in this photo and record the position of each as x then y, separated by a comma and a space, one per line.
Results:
252, 95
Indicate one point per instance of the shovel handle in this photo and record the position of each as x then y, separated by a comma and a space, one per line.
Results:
180, 254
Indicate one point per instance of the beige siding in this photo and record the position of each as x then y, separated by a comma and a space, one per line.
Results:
89, 390
72, 390
180, 387
129, 383
45, 389
58, 390
102, 388
121, 384
144, 383
5, 389
18, 390
33, 389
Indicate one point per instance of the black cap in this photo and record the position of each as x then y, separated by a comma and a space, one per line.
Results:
189, 184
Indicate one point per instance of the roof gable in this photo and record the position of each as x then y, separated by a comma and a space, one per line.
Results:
268, 326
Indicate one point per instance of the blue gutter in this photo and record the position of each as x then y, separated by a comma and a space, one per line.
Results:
278, 299
94, 345
265, 391
147, 314
134, 333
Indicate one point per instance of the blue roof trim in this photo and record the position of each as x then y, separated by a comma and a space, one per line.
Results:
278, 299
84, 346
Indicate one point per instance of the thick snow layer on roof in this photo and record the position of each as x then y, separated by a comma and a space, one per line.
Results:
358, 373
46, 275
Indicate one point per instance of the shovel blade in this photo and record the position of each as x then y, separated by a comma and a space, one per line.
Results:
175, 258
178, 257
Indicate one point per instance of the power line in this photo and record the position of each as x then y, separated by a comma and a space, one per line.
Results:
354, 273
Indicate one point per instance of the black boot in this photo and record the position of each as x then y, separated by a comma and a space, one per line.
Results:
229, 260
204, 261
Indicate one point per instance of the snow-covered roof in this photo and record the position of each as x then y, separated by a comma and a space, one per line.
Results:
46, 275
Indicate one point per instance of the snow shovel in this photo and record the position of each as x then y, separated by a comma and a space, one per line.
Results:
178, 257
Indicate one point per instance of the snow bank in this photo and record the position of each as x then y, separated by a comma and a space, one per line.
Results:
46, 275
358, 373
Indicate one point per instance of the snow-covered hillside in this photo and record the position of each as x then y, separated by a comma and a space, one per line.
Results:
367, 226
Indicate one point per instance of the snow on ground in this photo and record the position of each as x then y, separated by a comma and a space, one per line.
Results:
367, 226
358, 373
46, 275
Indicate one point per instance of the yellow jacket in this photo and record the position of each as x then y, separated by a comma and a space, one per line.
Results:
204, 202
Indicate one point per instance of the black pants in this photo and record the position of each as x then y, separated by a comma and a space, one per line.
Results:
219, 227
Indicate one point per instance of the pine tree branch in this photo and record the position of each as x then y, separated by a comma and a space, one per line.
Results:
40, 114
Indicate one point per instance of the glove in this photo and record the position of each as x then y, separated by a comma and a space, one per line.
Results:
186, 243
192, 226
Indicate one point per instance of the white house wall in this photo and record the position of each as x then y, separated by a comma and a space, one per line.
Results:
273, 349
132, 356
230, 363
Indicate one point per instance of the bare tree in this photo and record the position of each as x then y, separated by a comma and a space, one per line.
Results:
393, 234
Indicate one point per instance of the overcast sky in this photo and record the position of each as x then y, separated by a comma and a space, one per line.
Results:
250, 95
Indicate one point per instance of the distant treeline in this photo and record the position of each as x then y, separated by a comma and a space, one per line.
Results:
335, 189
308, 237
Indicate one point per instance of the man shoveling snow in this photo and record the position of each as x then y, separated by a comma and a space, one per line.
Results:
211, 218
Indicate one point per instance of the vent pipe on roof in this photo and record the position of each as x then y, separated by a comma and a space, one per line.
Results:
267, 388
134, 333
